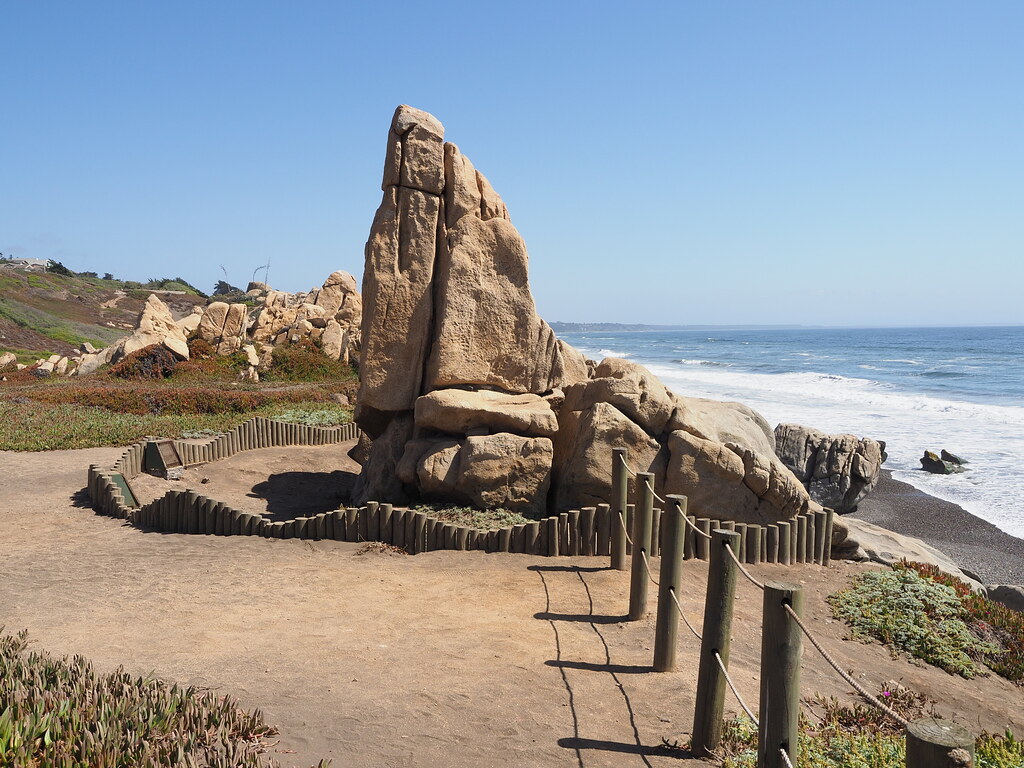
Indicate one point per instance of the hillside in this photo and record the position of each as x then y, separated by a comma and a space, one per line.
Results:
46, 312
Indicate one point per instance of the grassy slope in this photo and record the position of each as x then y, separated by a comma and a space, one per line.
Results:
43, 313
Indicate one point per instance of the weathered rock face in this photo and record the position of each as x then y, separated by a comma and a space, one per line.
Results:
156, 325
837, 470
466, 395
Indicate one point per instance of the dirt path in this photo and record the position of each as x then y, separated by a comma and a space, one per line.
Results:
387, 660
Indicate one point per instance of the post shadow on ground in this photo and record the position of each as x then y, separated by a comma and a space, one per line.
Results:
627, 748
580, 618
568, 568
81, 499
586, 666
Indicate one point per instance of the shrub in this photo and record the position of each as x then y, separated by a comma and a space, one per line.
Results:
913, 614
152, 362
860, 736
200, 349
481, 519
305, 361
318, 416
987, 619
60, 711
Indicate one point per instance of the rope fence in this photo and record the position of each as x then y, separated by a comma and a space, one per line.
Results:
730, 548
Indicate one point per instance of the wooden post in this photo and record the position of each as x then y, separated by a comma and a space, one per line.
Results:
741, 553
630, 513
772, 539
462, 538
563, 534
820, 524
620, 488
829, 522
398, 528
666, 631
587, 531
785, 553
419, 533
518, 536
704, 542
372, 521
351, 523
643, 520
505, 540
935, 743
753, 544
781, 648
531, 535
551, 531
656, 533
715, 638
801, 539
385, 513
602, 519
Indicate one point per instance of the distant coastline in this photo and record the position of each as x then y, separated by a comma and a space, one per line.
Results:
560, 327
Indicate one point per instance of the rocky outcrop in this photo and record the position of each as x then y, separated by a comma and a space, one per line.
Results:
8, 360
466, 395
156, 325
837, 470
860, 540
1010, 595
944, 464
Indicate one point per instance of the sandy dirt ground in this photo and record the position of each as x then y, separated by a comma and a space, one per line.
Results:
443, 659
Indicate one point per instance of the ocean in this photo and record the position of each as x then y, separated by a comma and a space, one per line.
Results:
917, 389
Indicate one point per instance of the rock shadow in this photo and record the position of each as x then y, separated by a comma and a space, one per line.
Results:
303, 494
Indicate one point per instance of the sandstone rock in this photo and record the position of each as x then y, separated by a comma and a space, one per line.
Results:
43, 370
211, 325
629, 387
437, 469
488, 332
378, 481
87, 348
257, 287
506, 470
837, 470
250, 354
1010, 595
583, 454
177, 346
421, 138
91, 363
8, 360
398, 300
866, 541
723, 422
728, 481
458, 411
189, 323
234, 329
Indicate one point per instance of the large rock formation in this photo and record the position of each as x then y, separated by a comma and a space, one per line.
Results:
837, 470
466, 394
156, 325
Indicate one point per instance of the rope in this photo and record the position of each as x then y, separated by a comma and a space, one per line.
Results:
672, 594
845, 675
736, 693
785, 758
647, 567
647, 482
622, 522
743, 570
626, 465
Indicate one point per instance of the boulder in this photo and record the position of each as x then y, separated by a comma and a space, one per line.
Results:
378, 480
866, 541
459, 411
8, 360
508, 471
629, 387
728, 481
178, 346
488, 332
930, 462
583, 454
723, 422
952, 458
1010, 595
837, 470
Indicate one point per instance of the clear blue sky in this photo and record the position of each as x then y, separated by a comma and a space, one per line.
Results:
687, 162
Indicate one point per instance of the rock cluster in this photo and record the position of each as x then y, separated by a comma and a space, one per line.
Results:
330, 315
945, 463
466, 395
837, 470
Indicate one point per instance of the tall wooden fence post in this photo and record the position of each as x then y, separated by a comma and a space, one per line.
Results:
715, 638
934, 743
620, 488
666, 632
781, 648
643, 522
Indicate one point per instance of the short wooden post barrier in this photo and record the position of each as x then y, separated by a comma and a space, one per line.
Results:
531, 534
704, 542
666, 632
385, 529
801, 539
829, 523
573, 532
820, 523
398, 527
630, 512
351, 524
781, 648
643, 521
462, 538
741, 553
715, 638
935, 743
587, 531
602, 520
552, 536
620, 489
656, 533
419, 533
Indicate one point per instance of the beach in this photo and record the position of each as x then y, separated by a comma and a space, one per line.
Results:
977, 546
